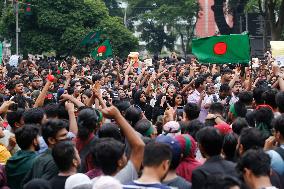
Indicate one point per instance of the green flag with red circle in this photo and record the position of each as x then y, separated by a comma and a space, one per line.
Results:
103, 51
223, 49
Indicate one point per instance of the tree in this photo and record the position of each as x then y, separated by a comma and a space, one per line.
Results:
61, 25
271, 10
178, 16
156, 37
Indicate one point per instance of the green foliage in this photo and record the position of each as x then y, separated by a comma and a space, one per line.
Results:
61, 25
177, 15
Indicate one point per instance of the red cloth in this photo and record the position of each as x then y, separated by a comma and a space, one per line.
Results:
80, 145
188, 163
186, 166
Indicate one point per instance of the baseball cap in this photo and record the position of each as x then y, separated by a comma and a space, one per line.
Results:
78, 180
173, 143
172, 128
224, 128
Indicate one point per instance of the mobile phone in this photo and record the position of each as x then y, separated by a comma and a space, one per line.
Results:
179, 110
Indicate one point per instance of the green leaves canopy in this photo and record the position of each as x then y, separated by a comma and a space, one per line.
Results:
61, 25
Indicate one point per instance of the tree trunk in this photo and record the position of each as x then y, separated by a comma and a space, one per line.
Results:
182, 43
276, 26
220, 19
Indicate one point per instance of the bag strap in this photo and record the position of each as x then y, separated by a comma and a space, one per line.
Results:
280, 151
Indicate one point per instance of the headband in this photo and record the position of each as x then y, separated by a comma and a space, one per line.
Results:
187, 145
149, 131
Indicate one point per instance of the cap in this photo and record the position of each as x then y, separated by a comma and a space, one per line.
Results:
223, 128
106, 182
173, 143
78, 180
172, 128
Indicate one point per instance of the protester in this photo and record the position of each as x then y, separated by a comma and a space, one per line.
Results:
209, 116
21, 162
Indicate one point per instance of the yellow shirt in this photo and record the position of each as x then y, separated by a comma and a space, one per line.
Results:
4, 154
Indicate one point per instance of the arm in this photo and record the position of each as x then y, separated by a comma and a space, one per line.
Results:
152, 79
135, 142
281, 83
40, 99
140, 76
73, 127
5, 106
77, 102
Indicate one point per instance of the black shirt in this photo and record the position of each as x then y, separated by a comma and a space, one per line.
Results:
58, 182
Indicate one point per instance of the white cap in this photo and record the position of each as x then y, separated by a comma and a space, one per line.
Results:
106, 182
78, 181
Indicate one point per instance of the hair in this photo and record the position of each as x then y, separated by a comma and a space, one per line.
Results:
51, 128
257, 94
96, 77
278, 124
239, 124
155, 153
191, 110
142, 126
280, 101
15, 117
255, 160
251, 138
63, 154
269, 98
240, 109
229, 146
199, 81
51, 110
122, 106
87, 122
211, 140
33, 116
216, 108
110, 130
263, 117
25, 136
245, 97
224, 87
193, 127
133, 115
106, 153
88, 93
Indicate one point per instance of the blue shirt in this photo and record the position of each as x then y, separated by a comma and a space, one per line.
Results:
277, 163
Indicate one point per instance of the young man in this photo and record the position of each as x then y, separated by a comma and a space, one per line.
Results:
67, 159
157, 159
210, 143
19, 164
172, 179
276, 153
44, 166
255, 167
109, 154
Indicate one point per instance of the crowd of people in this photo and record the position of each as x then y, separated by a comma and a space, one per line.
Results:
88, 124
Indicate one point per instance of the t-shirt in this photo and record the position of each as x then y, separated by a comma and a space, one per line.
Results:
136, 184
58, 182
127, 174
178, 183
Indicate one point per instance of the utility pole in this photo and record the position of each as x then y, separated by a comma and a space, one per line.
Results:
16, 4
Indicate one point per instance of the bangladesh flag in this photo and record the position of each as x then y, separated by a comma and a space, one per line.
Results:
103, 51
0, 53
91, 38
222, 49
